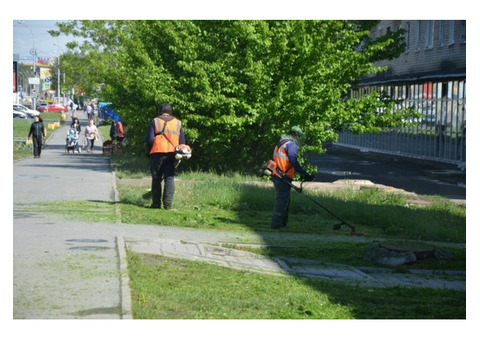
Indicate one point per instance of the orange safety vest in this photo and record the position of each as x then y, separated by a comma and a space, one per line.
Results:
167, 135
120, 129
281, 159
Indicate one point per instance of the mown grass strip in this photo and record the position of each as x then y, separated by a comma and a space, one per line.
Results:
179, 289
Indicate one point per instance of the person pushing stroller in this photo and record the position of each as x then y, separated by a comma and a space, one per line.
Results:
72, 136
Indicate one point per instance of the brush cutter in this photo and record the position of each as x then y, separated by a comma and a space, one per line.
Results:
270, 169
182, 151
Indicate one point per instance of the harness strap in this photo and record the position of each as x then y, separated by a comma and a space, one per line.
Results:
163, 131
279, 153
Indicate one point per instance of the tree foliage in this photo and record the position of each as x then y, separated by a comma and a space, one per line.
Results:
238, 86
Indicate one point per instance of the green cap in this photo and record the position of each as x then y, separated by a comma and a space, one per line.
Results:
297, 133
295, 130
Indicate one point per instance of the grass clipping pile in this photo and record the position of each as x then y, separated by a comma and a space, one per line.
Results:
390, 256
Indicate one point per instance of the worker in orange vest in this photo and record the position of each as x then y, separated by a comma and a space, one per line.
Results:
164, 134
285, 156
117, 131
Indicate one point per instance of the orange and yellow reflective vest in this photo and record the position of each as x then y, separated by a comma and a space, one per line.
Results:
167, 135
281, 159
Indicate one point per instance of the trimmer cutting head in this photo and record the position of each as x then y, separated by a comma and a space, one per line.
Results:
338, 226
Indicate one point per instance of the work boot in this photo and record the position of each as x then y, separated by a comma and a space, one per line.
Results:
278, 221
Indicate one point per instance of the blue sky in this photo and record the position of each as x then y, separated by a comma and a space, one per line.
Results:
34, 32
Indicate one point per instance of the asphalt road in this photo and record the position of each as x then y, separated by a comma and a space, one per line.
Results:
420, 177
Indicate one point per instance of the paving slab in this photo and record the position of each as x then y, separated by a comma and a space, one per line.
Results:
244, 260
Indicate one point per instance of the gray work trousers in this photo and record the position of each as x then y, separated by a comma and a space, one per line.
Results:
282, 205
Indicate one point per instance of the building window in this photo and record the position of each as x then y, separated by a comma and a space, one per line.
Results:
407, 36
451, 32
417, 36
464, 32
441, 30
429, 34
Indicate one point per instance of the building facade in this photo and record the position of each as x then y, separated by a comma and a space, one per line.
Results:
431, 76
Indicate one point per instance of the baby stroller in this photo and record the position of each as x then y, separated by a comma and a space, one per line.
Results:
72, 141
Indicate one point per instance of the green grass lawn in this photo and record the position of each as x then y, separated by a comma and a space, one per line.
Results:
179, 289
21, 127
227, 203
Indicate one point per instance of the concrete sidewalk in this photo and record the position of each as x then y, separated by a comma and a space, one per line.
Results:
59, 175
61, 269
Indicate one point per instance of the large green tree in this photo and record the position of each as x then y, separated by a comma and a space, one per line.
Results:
239, 85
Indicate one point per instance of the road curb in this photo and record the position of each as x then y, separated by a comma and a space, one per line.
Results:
125, 294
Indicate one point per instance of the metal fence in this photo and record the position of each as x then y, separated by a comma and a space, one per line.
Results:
440, 134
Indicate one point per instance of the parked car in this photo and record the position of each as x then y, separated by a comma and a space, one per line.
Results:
19, 114
40, 105
30, 113
52, 108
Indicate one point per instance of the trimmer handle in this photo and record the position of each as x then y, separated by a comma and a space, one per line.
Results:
298, 189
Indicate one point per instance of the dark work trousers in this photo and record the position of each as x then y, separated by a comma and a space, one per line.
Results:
280, 213
162, 168
37, 146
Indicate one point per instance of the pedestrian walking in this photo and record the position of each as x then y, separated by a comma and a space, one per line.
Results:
37, 132
164, 134
91, 135
285, 156
90, 111
76, 125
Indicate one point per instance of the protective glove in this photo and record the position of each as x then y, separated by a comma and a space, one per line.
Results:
309, 178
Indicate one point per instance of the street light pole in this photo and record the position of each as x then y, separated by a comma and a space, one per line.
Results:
34, 53
58, 76
58, 70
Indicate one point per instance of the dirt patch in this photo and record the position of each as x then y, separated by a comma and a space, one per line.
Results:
135, 181
355, 185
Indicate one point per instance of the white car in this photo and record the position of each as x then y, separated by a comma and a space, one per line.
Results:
19, 114
26, 110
